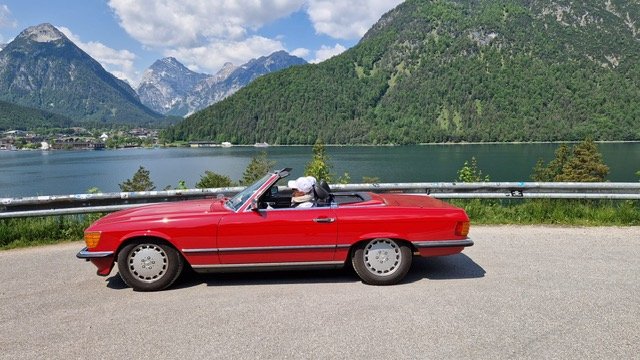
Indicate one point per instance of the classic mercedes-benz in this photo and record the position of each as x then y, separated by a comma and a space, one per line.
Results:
258, 229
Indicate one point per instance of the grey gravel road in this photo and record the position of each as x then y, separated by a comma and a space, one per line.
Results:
520, 292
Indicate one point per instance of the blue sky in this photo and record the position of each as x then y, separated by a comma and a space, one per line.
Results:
127, 36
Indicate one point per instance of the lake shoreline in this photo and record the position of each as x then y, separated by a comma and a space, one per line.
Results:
327, 145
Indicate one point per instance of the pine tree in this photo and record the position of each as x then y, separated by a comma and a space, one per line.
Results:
551, 172
211, 179
319, 166
585, 164
141, 181
257, 168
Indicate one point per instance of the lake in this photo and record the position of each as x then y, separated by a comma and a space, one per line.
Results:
30, 173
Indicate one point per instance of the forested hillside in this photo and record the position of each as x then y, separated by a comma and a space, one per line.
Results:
15, 117
434, 71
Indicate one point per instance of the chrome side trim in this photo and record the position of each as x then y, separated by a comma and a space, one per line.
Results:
86, 254
262, 248
277, 248
443, 243
268, 266
188, 251
267, 248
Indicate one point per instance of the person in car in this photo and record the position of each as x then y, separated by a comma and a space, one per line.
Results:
302, 191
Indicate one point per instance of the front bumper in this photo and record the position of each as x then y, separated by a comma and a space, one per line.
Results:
88, 255
103, 260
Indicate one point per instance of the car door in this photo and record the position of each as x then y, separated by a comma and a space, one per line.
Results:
278, 236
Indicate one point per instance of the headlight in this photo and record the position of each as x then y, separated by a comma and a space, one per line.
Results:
92, 239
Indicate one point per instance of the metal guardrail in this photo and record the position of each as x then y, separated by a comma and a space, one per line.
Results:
108, 202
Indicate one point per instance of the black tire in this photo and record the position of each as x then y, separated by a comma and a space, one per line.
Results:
381, 261
150, 266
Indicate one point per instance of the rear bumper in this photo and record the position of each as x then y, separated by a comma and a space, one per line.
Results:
443, 243
441, 247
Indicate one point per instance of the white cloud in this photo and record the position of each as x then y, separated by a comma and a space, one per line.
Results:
204, 34
118, 62
347, 19
186, 23
301, 52
211, 57
6, 19
326, 52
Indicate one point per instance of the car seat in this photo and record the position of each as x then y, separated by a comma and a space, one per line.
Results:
322, 193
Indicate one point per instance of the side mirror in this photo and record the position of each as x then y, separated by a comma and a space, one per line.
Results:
254, 205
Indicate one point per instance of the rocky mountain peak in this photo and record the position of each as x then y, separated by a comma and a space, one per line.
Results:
42, 60
169, 87
223, 73
42, 33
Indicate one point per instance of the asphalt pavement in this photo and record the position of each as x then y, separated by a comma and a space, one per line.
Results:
519, 292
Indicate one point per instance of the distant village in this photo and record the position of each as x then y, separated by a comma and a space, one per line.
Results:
78, 139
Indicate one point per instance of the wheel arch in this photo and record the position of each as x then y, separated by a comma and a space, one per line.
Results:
361, 242
145, 237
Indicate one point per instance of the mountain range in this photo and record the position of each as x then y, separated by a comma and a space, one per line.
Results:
43, 72
41, 68
168, 87
451, 71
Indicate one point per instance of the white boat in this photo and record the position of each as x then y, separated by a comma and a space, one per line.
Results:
226, 144
261, 145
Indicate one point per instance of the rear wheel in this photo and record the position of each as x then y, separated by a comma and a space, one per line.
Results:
381, 261
149, 266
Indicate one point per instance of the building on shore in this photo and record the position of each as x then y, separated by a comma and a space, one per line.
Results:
73, 143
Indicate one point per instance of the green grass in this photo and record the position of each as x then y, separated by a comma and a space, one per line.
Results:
23, 232
553, 211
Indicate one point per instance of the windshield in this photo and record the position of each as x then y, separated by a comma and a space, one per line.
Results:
236, 202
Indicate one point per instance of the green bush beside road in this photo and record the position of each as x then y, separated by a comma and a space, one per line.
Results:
21, 232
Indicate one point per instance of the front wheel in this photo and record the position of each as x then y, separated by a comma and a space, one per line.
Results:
381, 261
149, 266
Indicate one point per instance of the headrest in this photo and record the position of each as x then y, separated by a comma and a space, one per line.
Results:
322, 190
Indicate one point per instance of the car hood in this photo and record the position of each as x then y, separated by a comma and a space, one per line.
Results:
172, 210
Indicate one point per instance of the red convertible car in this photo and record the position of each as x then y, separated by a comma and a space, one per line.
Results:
258, 229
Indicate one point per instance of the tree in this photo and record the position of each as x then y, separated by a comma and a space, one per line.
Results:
319, 166
554, 169
582, 163
585, 164
211, 179
257, 168
141, 181
471, 172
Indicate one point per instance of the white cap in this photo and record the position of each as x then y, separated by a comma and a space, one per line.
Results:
304, 183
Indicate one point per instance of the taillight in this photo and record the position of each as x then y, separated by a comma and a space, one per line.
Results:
92, 239
462, 228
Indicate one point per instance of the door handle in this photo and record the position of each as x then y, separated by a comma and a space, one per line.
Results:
324, 220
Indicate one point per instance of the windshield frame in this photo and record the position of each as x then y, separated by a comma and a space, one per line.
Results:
236, 203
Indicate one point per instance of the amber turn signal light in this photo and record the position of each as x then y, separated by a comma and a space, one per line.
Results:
91, 239
462, 228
